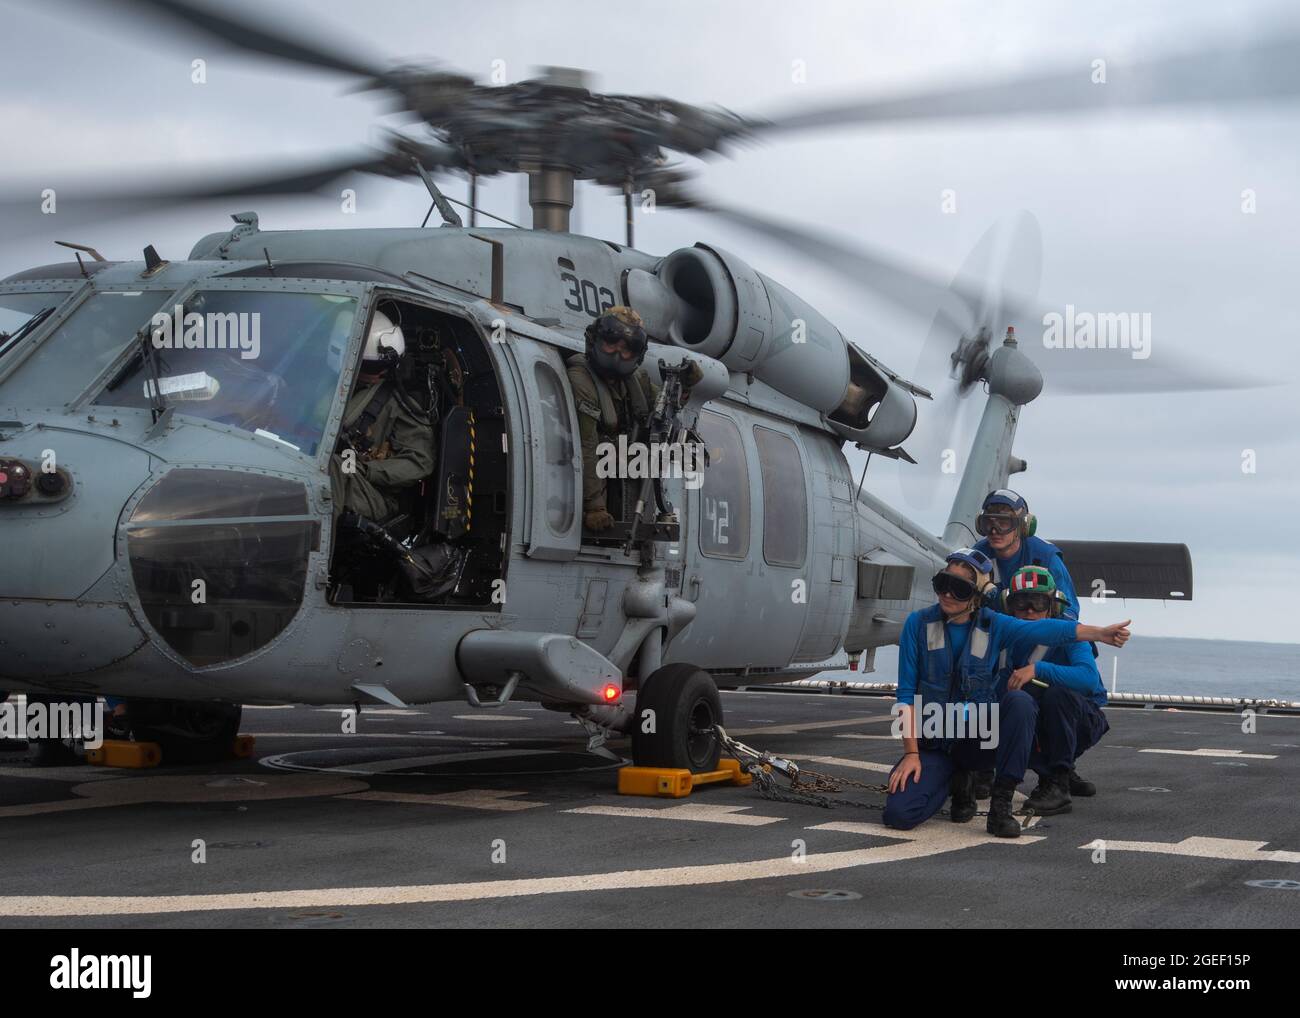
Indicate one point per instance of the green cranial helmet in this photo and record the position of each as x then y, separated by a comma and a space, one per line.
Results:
616, 325
1032, 580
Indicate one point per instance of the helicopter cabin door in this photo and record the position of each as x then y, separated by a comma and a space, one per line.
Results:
746, 560
554, 485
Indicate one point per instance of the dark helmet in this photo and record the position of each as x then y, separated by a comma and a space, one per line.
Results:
613, 325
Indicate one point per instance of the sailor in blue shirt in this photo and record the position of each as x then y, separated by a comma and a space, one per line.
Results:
1008, 538
1068, 688
948, 677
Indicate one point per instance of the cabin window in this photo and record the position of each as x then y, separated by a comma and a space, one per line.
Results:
558, 484
785, 499
724, 495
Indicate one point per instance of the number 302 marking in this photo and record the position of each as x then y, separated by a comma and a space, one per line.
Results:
584, 295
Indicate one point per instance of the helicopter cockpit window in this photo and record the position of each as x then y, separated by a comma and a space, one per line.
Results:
69, 359
21, 312
724, 495
266, 362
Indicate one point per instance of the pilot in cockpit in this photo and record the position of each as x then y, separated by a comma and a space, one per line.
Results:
386, 442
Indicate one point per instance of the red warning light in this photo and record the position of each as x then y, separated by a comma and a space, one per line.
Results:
611, 692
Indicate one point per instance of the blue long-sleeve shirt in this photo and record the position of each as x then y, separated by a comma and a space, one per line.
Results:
1024, 556
1074, 667
1016, 636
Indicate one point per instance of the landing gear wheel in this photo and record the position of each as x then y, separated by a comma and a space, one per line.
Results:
686, 706
187, 732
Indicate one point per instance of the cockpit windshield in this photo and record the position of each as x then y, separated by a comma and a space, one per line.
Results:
84, 345
20, 312
264, 361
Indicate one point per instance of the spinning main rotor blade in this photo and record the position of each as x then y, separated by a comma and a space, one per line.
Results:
1261, 71
21, 209
259, 37
1068, 368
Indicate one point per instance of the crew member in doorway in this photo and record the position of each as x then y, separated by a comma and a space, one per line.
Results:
614, 396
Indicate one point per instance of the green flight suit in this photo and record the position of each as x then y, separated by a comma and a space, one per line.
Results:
625, 414
400, 455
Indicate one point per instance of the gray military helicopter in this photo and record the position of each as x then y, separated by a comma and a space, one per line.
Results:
171, 533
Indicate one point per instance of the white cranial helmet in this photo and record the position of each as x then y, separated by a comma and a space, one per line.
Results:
383, 334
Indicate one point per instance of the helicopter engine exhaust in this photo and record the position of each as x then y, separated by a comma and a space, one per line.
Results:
708, 300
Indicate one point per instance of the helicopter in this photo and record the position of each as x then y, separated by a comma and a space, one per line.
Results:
171, 531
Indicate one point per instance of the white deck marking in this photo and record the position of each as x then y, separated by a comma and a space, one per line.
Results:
839, 761
973, 833
700, 812
859, 735
929, 840
1202, 848
1234, 753
490, 717
469, 798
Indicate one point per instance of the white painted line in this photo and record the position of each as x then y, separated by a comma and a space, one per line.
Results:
699, 812
975, 834
839, 761
859, 735
1201, 848
271, 706
1236, 754
905, 845
491, 717
469, 798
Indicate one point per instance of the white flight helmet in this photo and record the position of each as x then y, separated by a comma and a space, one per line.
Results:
384, 335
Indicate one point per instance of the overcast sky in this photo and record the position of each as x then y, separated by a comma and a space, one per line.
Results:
1140, 212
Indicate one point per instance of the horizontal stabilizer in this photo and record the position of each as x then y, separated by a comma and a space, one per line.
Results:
1136, 569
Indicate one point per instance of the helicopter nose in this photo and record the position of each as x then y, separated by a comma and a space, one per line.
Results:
63, 611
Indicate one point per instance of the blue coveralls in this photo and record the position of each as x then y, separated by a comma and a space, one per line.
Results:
1034, 551
946, 663
1070, 718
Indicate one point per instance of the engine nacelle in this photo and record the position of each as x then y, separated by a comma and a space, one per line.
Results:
708, 300
725, 309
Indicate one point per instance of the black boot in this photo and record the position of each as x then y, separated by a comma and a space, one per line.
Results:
1081, 787
1001, 823
983, 784
963, 802
1052, 796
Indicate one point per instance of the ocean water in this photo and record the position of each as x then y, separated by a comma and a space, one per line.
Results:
1157, 664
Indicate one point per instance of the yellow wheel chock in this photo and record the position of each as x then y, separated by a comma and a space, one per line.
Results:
677, 783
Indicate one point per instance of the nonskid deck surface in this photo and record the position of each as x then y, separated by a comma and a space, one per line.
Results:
446, 816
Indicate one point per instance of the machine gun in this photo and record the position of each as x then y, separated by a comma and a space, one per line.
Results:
660, 433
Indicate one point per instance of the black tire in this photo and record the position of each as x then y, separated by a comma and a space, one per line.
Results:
50, 753
187, 732
685, 703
